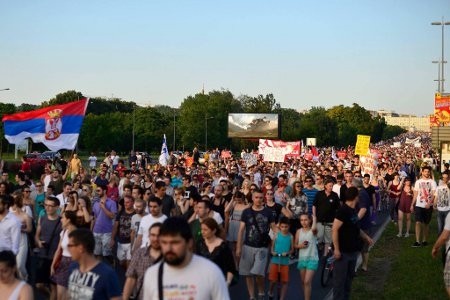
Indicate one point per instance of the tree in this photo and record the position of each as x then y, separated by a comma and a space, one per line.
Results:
101, 105
195, 110
316, 123
392, 131
290, 124
5, 109
259, 104
27, 107
63, 98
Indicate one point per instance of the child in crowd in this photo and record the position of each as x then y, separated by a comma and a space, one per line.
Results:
282, 248
308, 257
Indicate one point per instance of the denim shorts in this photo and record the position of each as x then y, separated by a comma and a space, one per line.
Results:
102, 241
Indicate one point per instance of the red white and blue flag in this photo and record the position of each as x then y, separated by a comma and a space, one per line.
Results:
57, 127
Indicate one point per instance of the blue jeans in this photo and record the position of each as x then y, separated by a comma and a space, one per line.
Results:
441, 215
343, 273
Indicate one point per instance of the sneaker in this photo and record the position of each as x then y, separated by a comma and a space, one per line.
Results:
416, 245
261, 297
424, 244
399, 235
406, 234
270, 297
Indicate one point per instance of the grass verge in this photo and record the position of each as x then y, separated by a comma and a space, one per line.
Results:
398, 271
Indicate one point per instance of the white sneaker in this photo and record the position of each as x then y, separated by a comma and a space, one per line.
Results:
406, 234
399, 235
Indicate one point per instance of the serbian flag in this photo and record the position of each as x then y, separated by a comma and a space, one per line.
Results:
57, 127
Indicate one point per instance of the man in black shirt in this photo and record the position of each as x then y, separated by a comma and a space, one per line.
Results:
324, 210
370, 189
347, 240
168, 204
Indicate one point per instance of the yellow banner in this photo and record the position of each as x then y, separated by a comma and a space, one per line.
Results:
362, 144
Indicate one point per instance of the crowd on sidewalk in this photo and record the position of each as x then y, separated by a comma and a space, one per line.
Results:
216, 219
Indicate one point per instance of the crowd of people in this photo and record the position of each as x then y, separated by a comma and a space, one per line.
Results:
174, 228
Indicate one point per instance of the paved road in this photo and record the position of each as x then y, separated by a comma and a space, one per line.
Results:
239, 292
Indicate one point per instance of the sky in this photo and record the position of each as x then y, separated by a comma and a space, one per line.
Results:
306, 53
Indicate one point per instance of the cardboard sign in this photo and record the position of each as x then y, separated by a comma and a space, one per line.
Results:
362, 144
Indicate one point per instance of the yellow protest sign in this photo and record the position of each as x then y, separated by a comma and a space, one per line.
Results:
362, 144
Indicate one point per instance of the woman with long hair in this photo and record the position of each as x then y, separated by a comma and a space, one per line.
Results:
277, 208
82, 207
394, 188
214, 248
297, 204
245, 188
59, 269
308, 256
24, 215
10, 286
404, 207
148, 181
233, 213
112, 189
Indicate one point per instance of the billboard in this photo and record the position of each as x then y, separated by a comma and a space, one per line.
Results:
442, 107
254, 125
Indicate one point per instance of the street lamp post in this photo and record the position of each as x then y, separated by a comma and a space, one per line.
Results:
442, 56
439, 74
174, 133
134, 122
441, 79
206, 131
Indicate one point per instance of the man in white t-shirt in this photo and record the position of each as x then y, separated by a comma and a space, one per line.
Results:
64, 196
442, 201
422, 205
92, 161
114, 159
155, 216
182, 273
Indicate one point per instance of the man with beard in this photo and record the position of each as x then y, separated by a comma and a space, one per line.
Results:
155, 216
122, 230
141, 260
139, 207
182, 272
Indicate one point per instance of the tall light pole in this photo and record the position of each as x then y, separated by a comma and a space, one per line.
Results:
174, 133
134, 122
439, 74
442, 56
206, 131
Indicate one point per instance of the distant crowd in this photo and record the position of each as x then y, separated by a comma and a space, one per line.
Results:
72, 228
